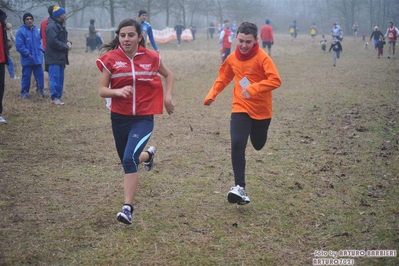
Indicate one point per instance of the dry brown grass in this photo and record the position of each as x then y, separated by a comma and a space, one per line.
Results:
326, 180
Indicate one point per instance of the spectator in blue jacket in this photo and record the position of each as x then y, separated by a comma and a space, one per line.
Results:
147, 30
29, 46
56, 56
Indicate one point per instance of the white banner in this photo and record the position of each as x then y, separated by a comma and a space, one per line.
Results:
168, 34
160, 36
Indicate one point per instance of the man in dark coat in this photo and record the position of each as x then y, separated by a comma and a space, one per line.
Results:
56, 55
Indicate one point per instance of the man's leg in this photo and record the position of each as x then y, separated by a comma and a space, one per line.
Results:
240, 128
25, 81
259, 131
2, 85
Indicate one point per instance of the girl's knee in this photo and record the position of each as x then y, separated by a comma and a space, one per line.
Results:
130, 165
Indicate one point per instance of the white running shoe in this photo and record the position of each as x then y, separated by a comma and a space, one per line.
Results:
57, 102
125, 216
238, 195
2, 120
149, 165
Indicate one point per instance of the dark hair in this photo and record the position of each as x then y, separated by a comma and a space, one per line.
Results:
3, 16
248, 28
141, 12
50, 10
115, 42
92, 21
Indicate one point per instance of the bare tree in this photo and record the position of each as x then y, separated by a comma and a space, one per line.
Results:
167, 6
345, 11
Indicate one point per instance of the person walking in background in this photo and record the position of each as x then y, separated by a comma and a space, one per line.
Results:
193, 30
179, 28
211, 29
266, 35
376, 34
293, 30
323, 43
225, 39
56, 55
133, 107
10, 43
380, 47
3, 60
255, 77
147, 30
28, 45
218, 26
337, 49
92, 35
313, 31
392, 34
355, 29
43, 26
336, 31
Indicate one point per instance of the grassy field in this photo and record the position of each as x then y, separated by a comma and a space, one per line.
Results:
327, 179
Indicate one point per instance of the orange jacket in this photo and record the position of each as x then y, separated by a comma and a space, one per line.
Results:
263, 76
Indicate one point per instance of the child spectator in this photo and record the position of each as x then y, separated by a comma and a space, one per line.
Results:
323, 42
380, 46
336, 47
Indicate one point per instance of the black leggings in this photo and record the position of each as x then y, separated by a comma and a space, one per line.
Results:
2, 84
241, 127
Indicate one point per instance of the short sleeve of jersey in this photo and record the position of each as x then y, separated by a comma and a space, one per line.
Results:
105, 62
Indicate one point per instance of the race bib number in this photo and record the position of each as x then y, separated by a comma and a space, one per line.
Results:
244, 83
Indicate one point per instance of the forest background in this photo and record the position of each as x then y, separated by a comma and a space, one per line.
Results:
166, 13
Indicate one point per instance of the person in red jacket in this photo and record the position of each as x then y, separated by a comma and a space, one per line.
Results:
3, 60
255, 77
43, 26
130, 77
266, 35
225, 40
392, 35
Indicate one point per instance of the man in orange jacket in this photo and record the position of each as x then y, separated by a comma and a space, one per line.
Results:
255, 77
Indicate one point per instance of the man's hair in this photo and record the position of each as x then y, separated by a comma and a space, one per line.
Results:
248, 28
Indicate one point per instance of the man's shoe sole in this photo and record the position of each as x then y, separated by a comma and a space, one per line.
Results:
233, 198
243, 202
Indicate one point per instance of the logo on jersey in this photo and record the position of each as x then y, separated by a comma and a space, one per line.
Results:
119, 64
145, 66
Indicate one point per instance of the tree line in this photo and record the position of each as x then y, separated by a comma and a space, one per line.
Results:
281, 12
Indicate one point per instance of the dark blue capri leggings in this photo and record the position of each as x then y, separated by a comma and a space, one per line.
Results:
243, 126
131, 134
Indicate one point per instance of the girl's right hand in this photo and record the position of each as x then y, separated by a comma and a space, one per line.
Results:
124, 92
